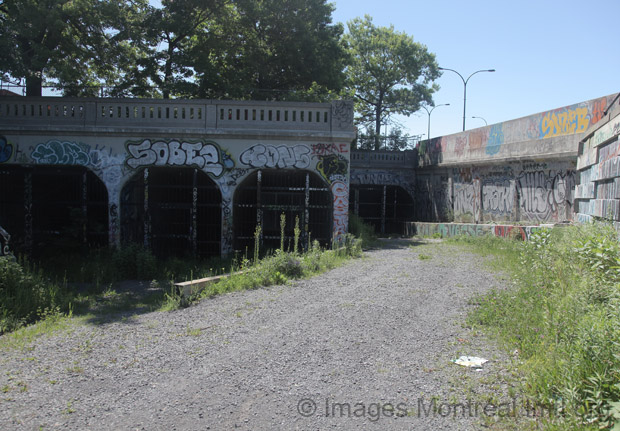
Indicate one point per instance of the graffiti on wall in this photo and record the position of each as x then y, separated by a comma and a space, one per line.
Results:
6, 149
496, 139
321, 149
498, 196
331, 165
565, 122
545, 195
203, 155
61, 153
281, 156
446, 230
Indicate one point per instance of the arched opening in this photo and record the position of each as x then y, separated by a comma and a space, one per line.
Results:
47, 209
172, 211
267, 194
386, 208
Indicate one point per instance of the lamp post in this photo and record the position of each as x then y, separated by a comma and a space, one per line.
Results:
465, 86
485, 121
428, 135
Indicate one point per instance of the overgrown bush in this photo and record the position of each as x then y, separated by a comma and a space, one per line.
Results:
563, 317
362, 231
25, 296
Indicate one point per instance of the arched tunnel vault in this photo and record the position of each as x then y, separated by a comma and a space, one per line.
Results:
267, 194
172, 211
51, 209
386, 207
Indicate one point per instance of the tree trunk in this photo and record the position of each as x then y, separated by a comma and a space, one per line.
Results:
34, 85
378, 128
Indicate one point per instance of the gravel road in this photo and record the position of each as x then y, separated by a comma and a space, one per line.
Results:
365, 346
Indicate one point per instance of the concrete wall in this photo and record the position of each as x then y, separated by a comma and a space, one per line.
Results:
597, 193
115, 139
518, 170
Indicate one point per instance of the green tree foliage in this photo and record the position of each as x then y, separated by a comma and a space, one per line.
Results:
389, 73
75, 43
394, 140
272, 50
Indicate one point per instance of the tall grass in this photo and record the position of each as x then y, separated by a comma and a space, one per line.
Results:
563, 317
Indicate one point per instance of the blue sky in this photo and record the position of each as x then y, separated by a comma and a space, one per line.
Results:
547, 54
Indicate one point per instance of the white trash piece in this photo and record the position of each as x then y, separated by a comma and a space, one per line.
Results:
470, 361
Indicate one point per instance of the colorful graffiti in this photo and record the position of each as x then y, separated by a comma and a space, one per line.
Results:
496, 139
446, 230
321, 149
205, 156
332, 165
6, 149
282, 156
61, 153
565, 122
340, 193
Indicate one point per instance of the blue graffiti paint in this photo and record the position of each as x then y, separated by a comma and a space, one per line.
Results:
6, 150
496, 139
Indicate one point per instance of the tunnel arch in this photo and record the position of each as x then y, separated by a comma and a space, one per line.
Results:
172, 211
52, 208
265, 194
386, 207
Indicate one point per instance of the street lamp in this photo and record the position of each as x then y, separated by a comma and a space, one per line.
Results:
428, 135
485, 121
465, 86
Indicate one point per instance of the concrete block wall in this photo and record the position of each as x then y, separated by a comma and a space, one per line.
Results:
597, 192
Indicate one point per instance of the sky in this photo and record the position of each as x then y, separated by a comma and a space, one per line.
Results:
547, 54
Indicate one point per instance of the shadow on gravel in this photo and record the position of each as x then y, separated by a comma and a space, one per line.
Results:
120, 302
400, 243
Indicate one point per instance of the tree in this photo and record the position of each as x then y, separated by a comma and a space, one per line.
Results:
272, 50
395, 140
172, 32
389, 73
73, 42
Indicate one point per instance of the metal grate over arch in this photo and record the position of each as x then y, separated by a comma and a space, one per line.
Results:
172, 211
47, 209
386, 208
267, 194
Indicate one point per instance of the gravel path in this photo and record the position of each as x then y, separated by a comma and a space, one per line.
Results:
377, 332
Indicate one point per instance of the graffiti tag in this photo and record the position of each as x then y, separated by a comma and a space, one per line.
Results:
326, 149
270, 156
565, 122
6, 149
496, 139
61, 153
205, 156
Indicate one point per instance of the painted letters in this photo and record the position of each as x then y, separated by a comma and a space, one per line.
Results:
205, 156
565, 122
282, 156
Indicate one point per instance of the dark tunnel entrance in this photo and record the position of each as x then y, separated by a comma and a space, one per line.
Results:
265, 195
172, 211
386, 208
51, 209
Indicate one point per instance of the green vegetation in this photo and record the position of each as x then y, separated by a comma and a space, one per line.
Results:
84, 285
363, 231
562, 315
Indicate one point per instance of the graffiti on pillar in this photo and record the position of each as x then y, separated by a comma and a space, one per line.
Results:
281, 156
565, 121
6, 150
61, 153
496, 139
203, 155
340, 193
464, 206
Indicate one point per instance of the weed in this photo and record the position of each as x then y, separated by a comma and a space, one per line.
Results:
563, 316
424, 256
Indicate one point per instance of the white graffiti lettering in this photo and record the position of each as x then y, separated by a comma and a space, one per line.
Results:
205, 156
270, 156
